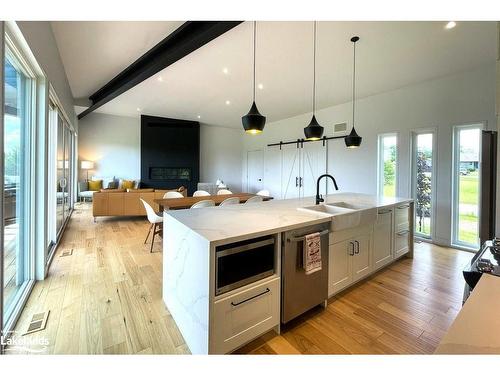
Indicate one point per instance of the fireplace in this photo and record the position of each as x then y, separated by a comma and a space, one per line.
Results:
170, 153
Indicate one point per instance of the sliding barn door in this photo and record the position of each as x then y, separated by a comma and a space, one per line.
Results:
290, 172
313, 165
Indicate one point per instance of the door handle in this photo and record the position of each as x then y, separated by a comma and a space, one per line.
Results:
251, 298
296, 181
300, 182
351, 251
357, 247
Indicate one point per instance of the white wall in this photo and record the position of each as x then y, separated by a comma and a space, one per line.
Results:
459, 99
220, 155
41, 40
114, 143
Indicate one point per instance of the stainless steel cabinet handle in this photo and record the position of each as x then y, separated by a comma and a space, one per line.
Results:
357, 247
385, 211
351, 251
248, 299
302, 238
402, 207
403, 232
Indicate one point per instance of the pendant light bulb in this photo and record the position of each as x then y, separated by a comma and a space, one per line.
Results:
353, 140
314, 131
253, 122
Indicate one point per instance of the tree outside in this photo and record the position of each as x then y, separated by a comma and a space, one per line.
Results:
423, 192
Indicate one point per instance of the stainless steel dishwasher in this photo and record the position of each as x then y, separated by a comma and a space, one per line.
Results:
301, 292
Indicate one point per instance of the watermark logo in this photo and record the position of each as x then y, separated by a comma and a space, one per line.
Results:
15, 343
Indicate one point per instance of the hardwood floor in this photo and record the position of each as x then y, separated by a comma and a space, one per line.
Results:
106, 298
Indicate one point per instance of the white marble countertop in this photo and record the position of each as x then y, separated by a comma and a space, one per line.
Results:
236, 222
476, 329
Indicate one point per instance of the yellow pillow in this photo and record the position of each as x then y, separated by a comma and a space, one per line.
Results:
128, 184
95, 185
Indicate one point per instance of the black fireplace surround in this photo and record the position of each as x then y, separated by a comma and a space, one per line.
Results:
170, 153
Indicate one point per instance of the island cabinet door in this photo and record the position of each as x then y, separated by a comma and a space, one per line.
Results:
244, 316
361, 262
339, 265
382, 238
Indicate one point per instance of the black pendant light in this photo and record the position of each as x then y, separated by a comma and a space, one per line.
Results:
314, 131
353, 140
253, 121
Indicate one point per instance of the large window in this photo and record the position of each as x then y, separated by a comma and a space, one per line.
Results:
423, 181
19, 118
387, 165
466, 185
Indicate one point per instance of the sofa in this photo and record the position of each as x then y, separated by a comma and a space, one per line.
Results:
84, 193
117, 202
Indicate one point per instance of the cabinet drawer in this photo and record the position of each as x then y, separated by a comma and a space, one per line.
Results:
244, 316
401, 216
401, 243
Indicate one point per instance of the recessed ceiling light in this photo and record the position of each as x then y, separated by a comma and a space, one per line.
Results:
260, 86
450, 25
228, 102
138, 109
160, 78
225, 70
199, 116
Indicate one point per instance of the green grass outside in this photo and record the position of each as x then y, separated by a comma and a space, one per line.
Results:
390, 190
469, 186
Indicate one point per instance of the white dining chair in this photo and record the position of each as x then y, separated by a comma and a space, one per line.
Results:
172, 194
228, 201
201, 193
255, 199
224, 192
263, 193
204, 203
155, 220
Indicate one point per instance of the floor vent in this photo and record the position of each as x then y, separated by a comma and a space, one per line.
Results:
66, 253
38, 322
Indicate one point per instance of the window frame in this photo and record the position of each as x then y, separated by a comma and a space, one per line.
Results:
15, 47
413, 178
455, 213
380, 163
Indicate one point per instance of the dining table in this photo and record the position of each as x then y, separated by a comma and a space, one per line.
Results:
187, 202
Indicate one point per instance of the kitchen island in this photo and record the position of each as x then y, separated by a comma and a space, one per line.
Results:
214, 313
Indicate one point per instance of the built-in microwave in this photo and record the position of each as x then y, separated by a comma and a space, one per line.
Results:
244, 262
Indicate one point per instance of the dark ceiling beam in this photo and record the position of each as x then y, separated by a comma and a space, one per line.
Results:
187, 38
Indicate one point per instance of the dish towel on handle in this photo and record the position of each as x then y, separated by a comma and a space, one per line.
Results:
312, 253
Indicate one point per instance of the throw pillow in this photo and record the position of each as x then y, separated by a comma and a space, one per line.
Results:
95, 185
128, 184
113, 185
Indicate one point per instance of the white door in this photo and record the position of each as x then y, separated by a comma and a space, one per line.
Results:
339, 265
290, 172
272, 171
255, 171
313, 165
361, 264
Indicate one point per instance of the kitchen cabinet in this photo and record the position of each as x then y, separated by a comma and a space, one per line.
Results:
382, 238
361, 262
339, 266
349, 257
402, 230
245, 315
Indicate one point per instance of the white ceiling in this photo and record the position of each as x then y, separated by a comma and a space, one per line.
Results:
390, 55
93, 53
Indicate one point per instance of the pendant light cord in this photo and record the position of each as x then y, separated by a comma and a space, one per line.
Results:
353, 83
254, 38
314, 70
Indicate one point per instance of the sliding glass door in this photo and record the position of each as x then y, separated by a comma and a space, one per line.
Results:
19, 89
423, 181
466, 185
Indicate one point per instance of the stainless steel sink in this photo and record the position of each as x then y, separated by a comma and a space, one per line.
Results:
345, 215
